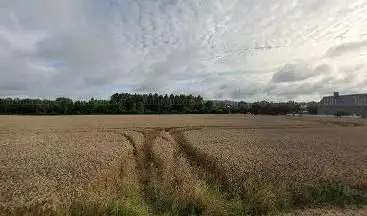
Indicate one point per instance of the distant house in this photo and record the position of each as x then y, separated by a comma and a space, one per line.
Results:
352, 104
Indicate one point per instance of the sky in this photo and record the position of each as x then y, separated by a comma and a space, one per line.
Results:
248, 50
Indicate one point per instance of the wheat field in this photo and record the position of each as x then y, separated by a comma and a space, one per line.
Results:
182, 165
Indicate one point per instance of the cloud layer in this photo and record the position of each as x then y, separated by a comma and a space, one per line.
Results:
228, 49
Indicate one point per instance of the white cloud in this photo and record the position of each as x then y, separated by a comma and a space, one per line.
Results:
253, 50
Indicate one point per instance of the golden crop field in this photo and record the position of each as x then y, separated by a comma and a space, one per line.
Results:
182, 165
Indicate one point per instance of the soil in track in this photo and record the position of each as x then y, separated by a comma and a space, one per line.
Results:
209, 168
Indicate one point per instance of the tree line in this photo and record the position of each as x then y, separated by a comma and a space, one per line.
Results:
125, 103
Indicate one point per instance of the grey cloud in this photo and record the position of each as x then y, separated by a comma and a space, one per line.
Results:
323, 69
354, 68
207, 47
175, 64
81, 51
346, 48
324, 86
244, 93
101, 80
235, 89
327, 79
292, 91
295, 73
13, 87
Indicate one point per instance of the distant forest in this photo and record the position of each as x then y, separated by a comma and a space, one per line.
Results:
125, 103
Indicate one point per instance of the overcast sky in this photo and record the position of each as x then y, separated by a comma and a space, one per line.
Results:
224, 49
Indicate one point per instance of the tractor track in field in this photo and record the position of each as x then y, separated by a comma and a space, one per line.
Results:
131, 141
207, 164
150, 166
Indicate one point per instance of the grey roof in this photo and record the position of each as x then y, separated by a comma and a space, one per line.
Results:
345, 100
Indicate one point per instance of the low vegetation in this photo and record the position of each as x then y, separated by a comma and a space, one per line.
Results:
182, 165
124, 103
341, 113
